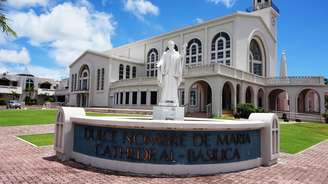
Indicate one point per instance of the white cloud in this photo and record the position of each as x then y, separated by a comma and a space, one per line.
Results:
52, 73
140, 8
67, 30
199, 20
39, 71
226, 3
14, 56
26, 3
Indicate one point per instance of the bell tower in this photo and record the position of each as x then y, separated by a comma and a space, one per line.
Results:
261, 4
268, 11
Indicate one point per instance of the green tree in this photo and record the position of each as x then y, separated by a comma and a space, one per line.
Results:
3, 20
30, 90
14, 95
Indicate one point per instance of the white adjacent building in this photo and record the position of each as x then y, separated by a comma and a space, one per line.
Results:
26, 85
229, 60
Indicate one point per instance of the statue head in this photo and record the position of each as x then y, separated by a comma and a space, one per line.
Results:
170, 45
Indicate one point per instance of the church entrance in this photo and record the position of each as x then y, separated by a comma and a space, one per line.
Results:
83, 100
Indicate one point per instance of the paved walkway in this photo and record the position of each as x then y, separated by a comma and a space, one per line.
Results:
23, 163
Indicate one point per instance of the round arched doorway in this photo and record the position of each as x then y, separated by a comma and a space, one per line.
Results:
227, 97
308, 101
249, 95
260, 98
200, 99
279, 101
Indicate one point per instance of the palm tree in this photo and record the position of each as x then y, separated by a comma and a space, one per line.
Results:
3, 21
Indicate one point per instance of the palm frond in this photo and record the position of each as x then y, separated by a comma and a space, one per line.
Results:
3, 21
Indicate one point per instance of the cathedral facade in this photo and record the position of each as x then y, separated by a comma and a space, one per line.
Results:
228, 61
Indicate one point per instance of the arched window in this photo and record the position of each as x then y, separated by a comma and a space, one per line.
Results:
194, 52
45, 85
4, 82
134, 72
256, 58
127, 72
152, 59
84, 78
29, 84
221, 49
121, 72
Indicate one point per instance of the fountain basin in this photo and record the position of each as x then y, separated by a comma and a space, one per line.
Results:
164, 147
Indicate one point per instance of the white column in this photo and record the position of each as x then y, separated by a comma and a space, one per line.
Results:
124, 98
217, 100
148, 98
139, 98
242, 93
130, 98
322, 103
205, 43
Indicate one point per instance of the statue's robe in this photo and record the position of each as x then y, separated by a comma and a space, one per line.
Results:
170, 70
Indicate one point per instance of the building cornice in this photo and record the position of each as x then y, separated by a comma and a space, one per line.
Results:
203, 25
133, 61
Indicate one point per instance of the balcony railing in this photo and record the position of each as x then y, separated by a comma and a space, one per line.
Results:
217, 69
297, 80
139, 81
10, 89
262, 6
47, 92
221, 69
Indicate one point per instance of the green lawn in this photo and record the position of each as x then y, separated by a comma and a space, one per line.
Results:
27, 117
39, 139
36, 117
297, 137
294, 137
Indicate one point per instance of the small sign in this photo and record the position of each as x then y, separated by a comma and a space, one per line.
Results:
166, 147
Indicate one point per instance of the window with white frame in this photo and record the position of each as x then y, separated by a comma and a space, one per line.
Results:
84, 80
194, 52
127, 72
152, 59
193, 97
221, 49
72, 83
98, 79
256, 59
102, 78
75, 82
29, 84
121, 72
134, 72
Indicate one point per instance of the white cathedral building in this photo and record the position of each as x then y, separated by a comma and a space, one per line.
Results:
229, 60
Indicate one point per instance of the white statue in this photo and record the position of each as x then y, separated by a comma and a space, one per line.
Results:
170, 68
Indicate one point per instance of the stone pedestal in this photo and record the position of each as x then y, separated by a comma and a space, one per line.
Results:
168, 113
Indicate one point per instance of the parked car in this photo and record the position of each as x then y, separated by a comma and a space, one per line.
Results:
13, 104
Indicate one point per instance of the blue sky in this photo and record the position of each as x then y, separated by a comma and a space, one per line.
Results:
52, 33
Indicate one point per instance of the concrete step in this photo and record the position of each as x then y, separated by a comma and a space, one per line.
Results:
119, 111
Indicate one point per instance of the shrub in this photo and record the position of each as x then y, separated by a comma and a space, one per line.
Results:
325, 115
245, 110
29, 101
50, 99
3, 101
